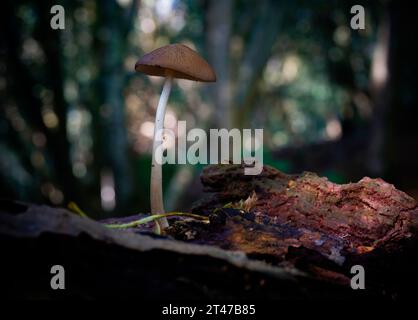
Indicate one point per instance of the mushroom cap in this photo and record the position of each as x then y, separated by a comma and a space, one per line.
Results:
178, 61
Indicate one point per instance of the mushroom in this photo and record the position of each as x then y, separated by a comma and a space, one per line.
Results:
171, 61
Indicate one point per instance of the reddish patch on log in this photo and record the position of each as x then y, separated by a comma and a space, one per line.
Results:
307, 215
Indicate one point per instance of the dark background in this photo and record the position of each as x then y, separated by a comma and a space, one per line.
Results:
76, 121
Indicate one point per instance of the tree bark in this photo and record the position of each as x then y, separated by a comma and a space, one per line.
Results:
110, 264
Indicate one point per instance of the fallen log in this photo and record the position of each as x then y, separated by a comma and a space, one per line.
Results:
105, 263
315, 225
270, 236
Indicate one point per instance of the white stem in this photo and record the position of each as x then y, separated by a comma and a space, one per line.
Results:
157, 204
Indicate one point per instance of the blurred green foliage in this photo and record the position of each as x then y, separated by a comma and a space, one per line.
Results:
76, 122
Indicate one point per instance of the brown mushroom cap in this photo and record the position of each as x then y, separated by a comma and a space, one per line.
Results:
178, 61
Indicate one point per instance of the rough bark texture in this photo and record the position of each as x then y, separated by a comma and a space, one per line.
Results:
315, 225
100, 262
270, 236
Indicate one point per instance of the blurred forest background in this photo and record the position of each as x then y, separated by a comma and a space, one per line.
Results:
76, 121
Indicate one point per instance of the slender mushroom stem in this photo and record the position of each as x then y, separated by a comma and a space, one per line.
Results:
157, 204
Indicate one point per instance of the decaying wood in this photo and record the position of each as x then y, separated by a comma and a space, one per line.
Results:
369, 213
102, 262
270, 236
311, 223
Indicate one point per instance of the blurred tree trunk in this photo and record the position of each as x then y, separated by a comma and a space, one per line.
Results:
23, 83
232, 108
219, 16
113, 25
255, 57
54, 80
218, 38
380, 89
401, 147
